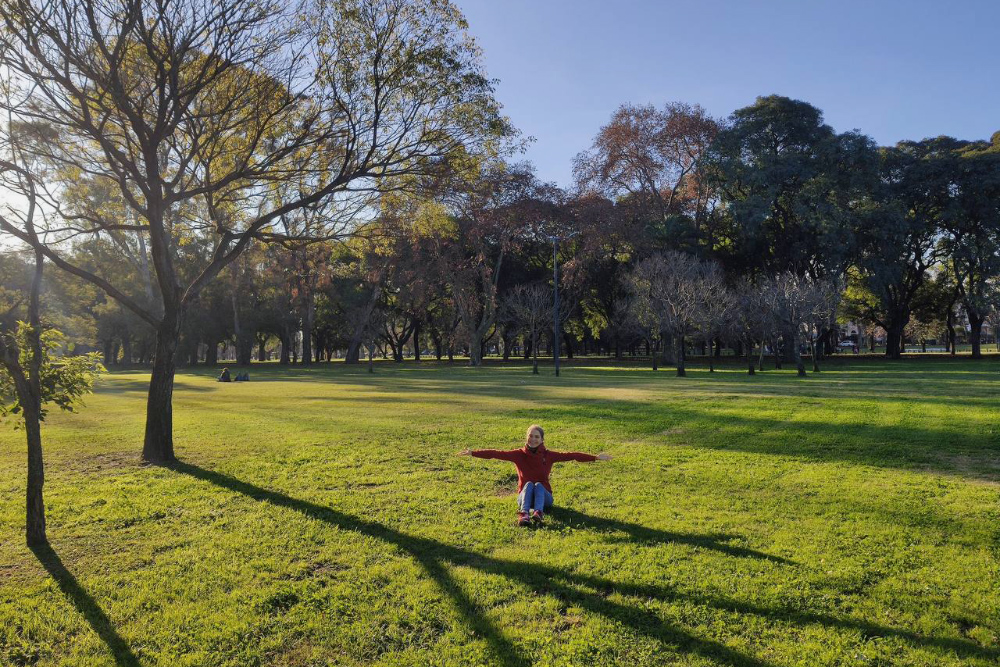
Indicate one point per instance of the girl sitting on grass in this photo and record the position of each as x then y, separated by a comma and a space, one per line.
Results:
534, 463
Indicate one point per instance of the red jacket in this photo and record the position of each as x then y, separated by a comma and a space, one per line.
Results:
533, 466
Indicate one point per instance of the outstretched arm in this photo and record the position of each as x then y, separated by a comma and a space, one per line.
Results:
490, 454
579, 456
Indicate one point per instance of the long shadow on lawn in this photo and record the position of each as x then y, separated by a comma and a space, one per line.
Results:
543, 579
86, 605
640, 533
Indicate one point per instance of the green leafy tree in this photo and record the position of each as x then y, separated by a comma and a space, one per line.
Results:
899, 242
971, 222
790, 187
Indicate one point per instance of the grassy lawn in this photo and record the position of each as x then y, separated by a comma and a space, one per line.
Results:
320, 517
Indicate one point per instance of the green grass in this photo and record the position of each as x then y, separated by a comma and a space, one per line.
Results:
320, 517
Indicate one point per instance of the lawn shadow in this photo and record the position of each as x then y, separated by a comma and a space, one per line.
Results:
86, 605
897, 446
639, 533
433, 556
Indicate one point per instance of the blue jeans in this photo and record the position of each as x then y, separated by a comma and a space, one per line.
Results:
534, 496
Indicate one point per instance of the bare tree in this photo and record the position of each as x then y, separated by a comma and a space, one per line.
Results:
529, 307
795, 308
715, 312
823, 298
220, 119
641, 309
752, 319
668, 290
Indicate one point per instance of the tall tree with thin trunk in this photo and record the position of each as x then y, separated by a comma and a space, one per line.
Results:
30, 375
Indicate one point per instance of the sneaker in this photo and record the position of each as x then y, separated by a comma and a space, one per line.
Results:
537, 517
523, 519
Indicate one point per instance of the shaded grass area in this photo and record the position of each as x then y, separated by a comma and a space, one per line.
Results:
319, 517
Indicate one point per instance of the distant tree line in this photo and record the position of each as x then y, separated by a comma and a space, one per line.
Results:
756, 232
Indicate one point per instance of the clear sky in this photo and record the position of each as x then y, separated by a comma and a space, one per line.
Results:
894, 69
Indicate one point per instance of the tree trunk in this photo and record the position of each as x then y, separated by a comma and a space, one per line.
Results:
534, 348
800, 365
828, 347
35, 506
681, 371
750, 365
307, 326
212, 353
244, 350
976, 334
475, 349
261, 350
652, 353
158, 446
951, 330
416, 340
893, 341
244, 339
353, 355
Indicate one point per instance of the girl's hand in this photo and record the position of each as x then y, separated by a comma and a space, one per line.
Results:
604, 457
464, 452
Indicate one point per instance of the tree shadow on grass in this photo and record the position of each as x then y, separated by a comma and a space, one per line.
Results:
639, 533
434, 557
86, 605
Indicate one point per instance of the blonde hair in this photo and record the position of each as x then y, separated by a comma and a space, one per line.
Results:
534, 427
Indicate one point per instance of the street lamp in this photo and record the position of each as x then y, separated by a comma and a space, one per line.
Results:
556, 238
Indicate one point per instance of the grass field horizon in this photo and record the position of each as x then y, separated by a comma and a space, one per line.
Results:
318, 516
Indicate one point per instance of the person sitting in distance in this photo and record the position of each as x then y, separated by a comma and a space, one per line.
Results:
224, 376
533, 463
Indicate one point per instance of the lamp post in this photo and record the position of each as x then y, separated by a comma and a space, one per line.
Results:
555, 294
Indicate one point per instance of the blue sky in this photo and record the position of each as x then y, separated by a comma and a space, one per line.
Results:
892, 69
